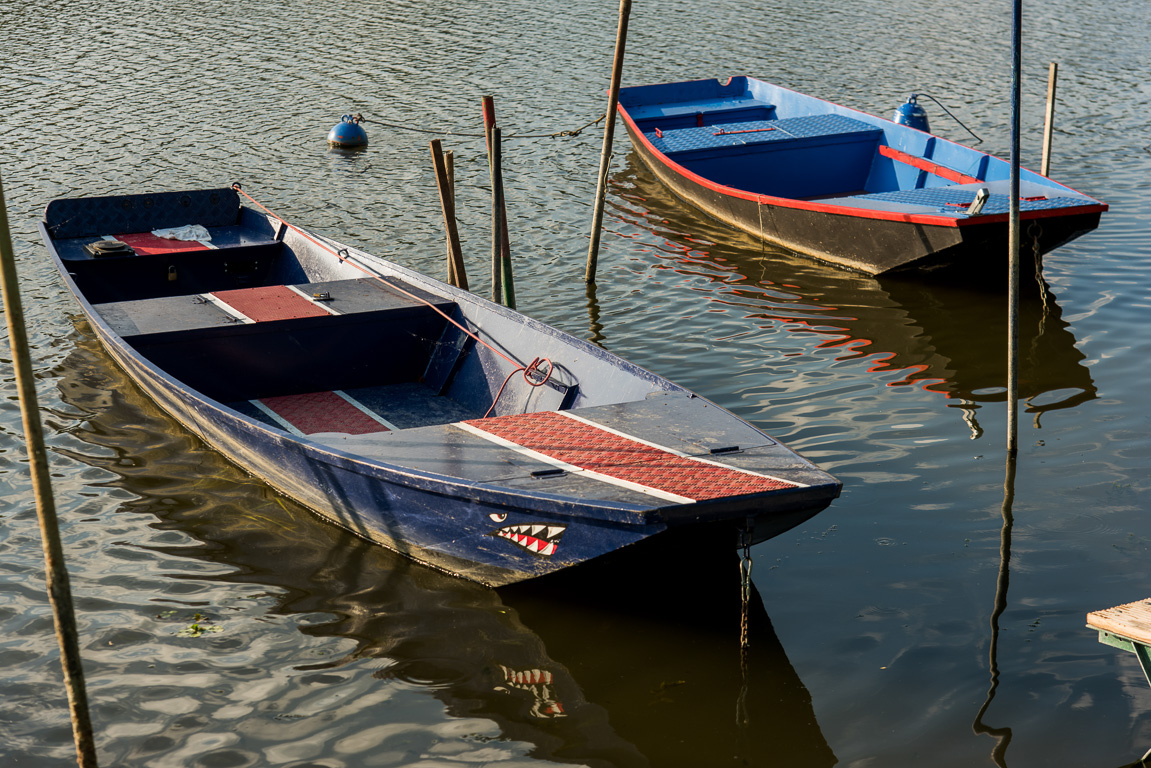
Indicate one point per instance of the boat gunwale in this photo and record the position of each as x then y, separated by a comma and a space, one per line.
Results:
590, 509
849, 211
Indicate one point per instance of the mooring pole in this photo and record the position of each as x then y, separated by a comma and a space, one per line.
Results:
1049, 123
450, 189
448, 204
59, 591
501, 250
1013, 232
489, 109
609, 130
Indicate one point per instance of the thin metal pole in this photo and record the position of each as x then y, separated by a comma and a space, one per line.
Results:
1049, 123
447, 203
1013, 232
500, 218
609, 130
59, 591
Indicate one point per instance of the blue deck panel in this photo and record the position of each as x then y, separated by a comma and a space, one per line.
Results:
750, 133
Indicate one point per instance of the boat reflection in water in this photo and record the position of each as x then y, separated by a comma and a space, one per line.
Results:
586, 670
946, 336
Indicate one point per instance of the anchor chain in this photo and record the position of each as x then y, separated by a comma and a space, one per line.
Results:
741, 715
1035, 231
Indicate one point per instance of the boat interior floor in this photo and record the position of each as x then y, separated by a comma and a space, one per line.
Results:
358, 410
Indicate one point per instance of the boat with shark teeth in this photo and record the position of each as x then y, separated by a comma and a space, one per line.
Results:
838, 184
419, 416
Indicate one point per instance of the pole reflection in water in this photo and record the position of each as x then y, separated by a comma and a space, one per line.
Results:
635, 663
1002, 736
595, 327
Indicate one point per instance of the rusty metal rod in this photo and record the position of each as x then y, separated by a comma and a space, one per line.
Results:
59, 591
609, 130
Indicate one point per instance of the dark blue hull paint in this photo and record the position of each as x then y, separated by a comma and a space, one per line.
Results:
474, 506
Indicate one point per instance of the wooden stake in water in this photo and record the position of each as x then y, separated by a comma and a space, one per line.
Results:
1013, 232
1049, 123
59, 591
501, 261
450, 175
448, 204
609, 130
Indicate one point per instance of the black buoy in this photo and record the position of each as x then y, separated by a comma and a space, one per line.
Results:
348, 132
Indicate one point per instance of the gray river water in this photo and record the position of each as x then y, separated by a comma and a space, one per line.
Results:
906, 625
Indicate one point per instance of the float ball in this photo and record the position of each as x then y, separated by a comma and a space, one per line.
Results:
348, 133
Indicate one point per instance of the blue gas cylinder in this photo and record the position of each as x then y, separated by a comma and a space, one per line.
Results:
912, 115
348, 132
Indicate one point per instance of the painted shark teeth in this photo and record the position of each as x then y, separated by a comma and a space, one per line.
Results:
537, 538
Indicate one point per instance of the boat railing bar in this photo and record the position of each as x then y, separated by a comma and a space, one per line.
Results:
923, 164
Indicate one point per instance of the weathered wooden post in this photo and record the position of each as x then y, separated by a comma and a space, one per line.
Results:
609, 130
499, 280
59, 591
1049, 122
1013, 232
450, 173
447, 203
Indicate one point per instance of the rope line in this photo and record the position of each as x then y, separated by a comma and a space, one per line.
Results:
558, 134
370, 273
530, 373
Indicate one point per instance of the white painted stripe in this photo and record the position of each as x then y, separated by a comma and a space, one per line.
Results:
321, 304
667, 496
674, 452
277, 418
377, 417
227, 308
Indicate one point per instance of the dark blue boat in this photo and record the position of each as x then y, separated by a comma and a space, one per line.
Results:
419, 416
838, 184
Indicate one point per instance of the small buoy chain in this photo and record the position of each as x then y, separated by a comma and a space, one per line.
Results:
359, 118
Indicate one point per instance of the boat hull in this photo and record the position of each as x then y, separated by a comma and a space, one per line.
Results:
869, 245
855, 227
496, 500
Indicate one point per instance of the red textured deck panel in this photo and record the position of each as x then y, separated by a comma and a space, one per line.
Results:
322, 412
272, 302
147, 243
598, 450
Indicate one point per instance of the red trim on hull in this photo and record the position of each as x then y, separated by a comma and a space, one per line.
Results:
841, 210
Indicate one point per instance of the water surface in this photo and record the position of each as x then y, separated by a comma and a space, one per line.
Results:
888, 631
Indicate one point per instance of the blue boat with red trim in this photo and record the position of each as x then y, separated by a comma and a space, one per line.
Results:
838, 184
414, 414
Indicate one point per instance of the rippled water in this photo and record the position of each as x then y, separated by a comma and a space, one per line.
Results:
887, 631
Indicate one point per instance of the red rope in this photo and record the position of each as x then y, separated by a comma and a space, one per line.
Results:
530, 372
347, 259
